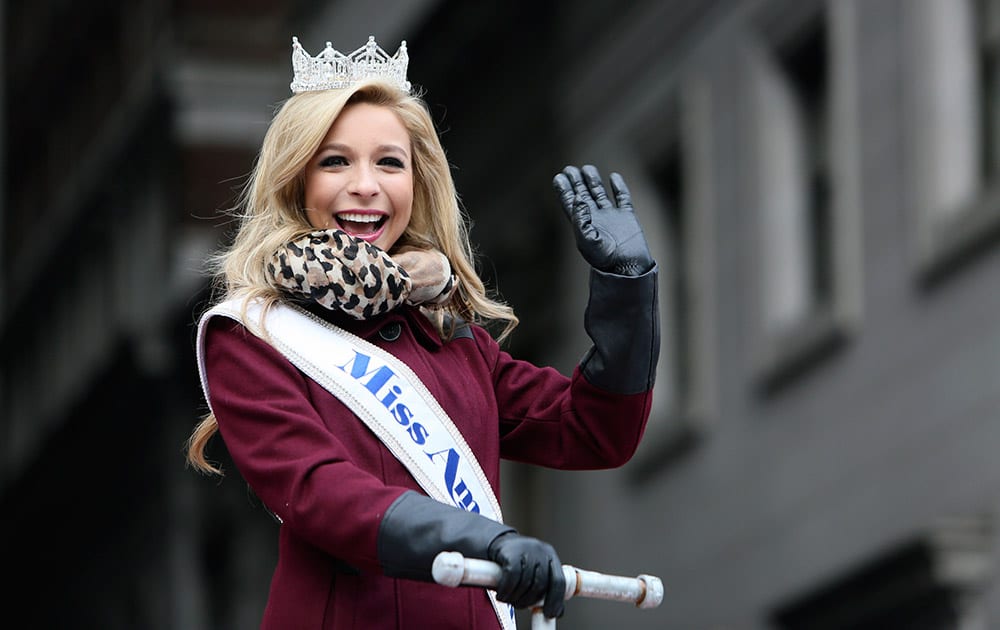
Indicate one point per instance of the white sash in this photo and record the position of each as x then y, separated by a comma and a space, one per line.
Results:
386, 395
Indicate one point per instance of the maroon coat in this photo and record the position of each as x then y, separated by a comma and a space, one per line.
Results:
330, 480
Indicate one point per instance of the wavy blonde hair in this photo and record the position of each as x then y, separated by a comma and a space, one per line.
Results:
270, 212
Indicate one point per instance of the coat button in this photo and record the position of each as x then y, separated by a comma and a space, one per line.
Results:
391, 332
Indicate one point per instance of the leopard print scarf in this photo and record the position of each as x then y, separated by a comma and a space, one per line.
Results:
346, 274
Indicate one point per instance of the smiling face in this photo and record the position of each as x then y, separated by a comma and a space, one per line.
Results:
360, 180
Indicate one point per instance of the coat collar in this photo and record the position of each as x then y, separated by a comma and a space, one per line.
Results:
410, 316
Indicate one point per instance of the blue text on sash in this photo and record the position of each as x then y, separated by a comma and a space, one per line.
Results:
379, 380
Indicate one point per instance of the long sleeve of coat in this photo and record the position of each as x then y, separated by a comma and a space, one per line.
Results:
562, 422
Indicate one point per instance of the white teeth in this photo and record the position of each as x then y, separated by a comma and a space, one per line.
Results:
357, 217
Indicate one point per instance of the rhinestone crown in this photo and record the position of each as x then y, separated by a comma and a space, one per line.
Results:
332, 69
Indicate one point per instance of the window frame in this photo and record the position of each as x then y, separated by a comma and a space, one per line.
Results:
680, 419
945, 238
781, 357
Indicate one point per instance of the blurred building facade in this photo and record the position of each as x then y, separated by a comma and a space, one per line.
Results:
818, 179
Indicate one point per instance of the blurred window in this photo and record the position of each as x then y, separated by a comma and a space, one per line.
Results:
674, 144
988, 32
793, 115
952, 109
676, 269
804, 164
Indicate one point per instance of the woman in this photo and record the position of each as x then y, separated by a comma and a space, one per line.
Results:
369, 411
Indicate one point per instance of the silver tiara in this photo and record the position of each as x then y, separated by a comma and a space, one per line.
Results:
332, 69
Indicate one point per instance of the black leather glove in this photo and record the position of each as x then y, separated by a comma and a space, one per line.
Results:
416, 528
622, 316
607, 234
531, 571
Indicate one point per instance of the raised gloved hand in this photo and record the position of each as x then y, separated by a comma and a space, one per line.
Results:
622, 314
531, 572
608, 234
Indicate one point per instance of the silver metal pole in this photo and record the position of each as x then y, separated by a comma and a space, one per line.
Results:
451, 568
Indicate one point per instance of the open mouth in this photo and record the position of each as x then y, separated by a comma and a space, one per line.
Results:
361, 224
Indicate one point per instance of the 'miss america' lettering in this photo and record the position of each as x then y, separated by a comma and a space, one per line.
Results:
379, 381
460, 493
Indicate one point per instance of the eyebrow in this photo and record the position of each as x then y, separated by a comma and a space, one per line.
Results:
392, 148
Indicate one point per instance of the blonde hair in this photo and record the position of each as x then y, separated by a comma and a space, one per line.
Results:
270, 213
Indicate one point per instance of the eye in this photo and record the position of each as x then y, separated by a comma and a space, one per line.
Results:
333, 160
392, 161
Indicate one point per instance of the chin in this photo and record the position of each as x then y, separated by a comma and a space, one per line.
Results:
384, 242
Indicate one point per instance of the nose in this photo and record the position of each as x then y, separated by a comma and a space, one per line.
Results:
364, 183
